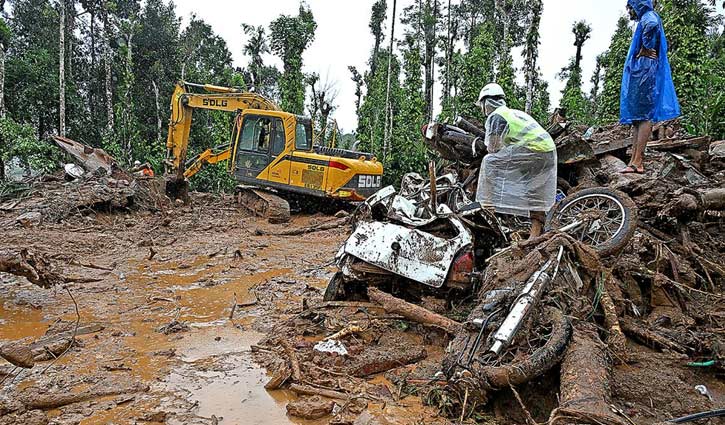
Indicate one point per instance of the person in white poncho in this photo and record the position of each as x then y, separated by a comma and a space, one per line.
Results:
519, 174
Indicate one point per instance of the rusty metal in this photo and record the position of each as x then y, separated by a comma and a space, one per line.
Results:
92, 159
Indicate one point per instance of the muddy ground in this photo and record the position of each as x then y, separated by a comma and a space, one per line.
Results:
200, 369
166, 283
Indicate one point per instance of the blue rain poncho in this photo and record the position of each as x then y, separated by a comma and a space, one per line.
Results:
648, 92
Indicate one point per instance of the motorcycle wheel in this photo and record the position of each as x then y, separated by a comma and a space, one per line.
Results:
611, 217
335, 289
458, 199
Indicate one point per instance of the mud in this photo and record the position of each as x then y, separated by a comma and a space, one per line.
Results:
211, 367
203, 375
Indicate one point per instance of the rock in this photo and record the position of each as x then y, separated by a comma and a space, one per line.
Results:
32, 417
342, 214
19, 355
10, 404
159, 417
310, 407
30, 219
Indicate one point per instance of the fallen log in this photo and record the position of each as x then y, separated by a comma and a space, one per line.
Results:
616, 341
312, 229
294, 363
374, 360
308, 390
584, 388
413, 312
649, 337
34, 267
42, 401
18, 355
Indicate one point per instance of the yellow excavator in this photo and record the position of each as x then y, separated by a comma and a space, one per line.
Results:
271, 153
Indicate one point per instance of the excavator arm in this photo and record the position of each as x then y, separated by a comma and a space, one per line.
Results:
209, 156
183, 103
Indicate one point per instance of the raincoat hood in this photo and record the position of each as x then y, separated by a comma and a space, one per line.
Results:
641, 6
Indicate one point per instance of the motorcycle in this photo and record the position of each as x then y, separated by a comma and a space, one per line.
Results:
431, 239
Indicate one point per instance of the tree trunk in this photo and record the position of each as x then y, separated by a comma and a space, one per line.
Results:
159, 123
449, 52
430, 48
388, 108
532, 53
2, 82
61, 73
108, 71
91, 91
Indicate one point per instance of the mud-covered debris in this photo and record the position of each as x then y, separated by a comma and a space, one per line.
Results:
314, 407
375, 359
36, 267
18, 354
29, 219
173, 327
92, 159
29, 417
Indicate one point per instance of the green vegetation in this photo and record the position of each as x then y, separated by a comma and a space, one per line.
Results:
121, 59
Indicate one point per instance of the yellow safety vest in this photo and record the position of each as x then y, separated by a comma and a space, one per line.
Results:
525, 131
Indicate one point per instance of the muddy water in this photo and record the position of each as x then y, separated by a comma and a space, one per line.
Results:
212, 373
20, 322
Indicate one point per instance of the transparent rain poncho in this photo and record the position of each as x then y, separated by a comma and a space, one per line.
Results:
515, 179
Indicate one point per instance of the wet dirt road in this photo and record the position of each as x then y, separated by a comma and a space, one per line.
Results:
165, 317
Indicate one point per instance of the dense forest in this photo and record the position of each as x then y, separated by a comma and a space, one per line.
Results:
101, 72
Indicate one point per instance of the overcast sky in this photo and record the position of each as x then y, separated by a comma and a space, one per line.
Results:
343, 37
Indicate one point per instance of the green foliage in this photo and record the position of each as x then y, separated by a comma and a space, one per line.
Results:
407, 151
573, 99
290, 37
613, 67
694, 70
371, 123
475, 68
506, 78
5, 32
20, 141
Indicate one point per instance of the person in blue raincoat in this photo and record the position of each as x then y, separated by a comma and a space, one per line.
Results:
648, 92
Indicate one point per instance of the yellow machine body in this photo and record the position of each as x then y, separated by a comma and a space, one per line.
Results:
269, 148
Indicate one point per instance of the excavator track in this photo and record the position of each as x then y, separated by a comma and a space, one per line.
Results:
263, 204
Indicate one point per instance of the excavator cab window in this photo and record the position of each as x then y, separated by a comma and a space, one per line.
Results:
277, 136
303, 135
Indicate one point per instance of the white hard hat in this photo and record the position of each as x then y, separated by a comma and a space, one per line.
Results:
491, 90
137, 163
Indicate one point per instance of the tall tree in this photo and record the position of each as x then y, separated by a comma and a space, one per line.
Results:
613, 67
377, 27
596, 85
531, 52
61, 66
357, 78
573, 100
290, 37
388, 105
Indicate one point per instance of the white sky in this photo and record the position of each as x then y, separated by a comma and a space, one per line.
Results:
343, 37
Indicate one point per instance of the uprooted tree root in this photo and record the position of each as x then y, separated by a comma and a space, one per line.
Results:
35, 267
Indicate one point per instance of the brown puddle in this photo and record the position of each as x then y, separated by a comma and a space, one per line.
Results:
220, 378
21, 322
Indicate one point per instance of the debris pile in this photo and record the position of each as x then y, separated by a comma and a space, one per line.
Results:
99, 186
616, 336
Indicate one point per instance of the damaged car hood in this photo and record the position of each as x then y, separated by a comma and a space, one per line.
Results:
411, 253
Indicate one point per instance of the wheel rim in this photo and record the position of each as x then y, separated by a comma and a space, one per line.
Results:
604, 217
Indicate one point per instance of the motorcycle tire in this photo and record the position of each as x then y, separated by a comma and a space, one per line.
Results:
621, 209
335, 290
